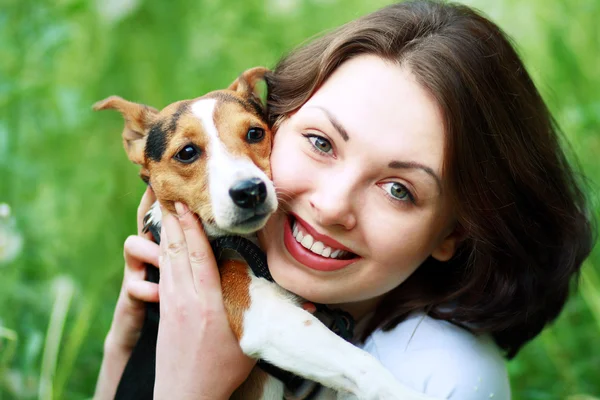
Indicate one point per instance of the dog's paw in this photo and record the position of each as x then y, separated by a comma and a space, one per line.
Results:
377, 383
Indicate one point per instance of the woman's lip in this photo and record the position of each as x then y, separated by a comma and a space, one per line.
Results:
326, 240
307, 257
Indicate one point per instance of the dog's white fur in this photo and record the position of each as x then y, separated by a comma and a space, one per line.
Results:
224, 169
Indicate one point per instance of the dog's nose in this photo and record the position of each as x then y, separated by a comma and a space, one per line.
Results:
248, 193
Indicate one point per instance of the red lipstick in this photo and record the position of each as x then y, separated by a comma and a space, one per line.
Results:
307, 257
326, 240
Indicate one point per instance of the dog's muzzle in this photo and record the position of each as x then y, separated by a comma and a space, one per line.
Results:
248, 193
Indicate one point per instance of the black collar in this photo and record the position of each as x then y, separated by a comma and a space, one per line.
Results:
250, 252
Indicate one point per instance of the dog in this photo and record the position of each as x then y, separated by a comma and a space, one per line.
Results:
212, 154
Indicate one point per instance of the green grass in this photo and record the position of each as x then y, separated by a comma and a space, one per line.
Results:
74, 194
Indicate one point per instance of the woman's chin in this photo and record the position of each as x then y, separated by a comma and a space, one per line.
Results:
308, 287
318, 286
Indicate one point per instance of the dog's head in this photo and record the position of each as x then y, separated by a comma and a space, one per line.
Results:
211, 153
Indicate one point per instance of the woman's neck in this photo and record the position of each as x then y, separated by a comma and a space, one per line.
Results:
360, 309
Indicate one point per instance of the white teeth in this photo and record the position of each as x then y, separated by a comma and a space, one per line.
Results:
307, 241
317, 247
313, 245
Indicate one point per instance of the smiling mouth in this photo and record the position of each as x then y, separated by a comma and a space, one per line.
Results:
314, 257
300, 234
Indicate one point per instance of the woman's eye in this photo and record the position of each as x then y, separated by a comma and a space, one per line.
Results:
255, 135
188, 154
398, 191
320, 143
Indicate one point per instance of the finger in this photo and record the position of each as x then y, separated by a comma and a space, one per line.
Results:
147, 200
138, 251
143, 291
177, 251
165, 286
205, 273
310, 307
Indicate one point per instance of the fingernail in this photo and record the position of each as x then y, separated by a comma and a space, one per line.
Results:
310, 307
180, 208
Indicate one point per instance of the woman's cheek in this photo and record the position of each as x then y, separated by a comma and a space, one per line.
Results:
288, 163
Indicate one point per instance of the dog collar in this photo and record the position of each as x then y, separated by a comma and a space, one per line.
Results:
250, 252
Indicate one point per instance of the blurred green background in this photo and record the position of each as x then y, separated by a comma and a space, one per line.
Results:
73, 193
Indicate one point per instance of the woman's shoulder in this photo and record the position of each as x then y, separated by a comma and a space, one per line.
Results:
441, 359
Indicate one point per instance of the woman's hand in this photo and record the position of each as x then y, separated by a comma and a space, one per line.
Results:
130, 309
135, 291
197, 355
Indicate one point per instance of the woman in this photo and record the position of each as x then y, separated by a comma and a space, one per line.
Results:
413, 139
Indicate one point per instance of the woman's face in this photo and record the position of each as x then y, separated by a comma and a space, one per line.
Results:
358, 168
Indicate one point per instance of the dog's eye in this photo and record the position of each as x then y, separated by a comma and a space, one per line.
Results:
188, 154
255, 135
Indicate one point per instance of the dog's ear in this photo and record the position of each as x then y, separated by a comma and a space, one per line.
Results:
246, 83
138, 118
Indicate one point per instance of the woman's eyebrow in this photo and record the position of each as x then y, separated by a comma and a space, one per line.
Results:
335, 123
416, 165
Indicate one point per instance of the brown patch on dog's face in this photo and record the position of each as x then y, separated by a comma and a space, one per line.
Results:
239, 130
173, 179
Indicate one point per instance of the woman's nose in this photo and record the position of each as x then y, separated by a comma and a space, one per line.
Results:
333, 204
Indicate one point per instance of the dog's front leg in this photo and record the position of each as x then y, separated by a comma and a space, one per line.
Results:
277, 330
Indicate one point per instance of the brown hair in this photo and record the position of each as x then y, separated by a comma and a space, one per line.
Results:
524, 215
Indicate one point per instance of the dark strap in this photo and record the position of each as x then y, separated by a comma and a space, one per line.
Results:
250, 252
338, 321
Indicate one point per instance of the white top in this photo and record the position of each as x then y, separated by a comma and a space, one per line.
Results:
441, 360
